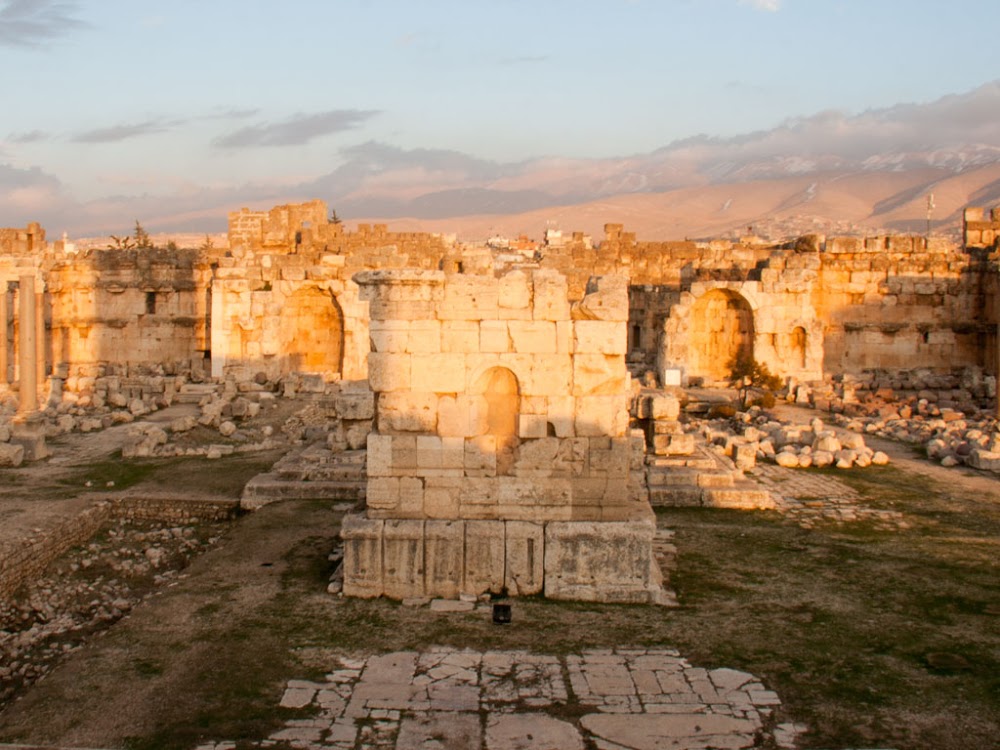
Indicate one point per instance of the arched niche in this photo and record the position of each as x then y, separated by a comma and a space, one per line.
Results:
500, 402
312, 331
721, 331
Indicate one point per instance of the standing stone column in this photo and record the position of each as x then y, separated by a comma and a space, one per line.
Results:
28, 427
3, 333
27, 347
40, 336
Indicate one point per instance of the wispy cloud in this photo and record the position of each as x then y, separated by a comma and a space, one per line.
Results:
297, 130
33, 136
232, 114
28, 23
771, 6
118, 133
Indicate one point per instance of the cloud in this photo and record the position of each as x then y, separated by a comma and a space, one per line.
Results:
297, 130
28, 195
29, 23
770, 6
33, 136
118, 133
232, 114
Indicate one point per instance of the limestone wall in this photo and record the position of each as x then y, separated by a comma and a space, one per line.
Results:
500, 459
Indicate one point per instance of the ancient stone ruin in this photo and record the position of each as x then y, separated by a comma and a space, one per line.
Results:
498, 387
500, 458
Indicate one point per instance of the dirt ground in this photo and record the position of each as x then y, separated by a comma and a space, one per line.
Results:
872, 638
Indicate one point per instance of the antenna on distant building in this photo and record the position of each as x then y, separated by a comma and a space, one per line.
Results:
930, 207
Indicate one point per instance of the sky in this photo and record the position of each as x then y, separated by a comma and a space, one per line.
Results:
174, 112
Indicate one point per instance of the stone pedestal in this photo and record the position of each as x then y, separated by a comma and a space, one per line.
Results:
28, 431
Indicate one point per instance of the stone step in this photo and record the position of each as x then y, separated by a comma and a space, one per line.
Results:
193, 393
675, 497
321, 473
269, 488
749, 497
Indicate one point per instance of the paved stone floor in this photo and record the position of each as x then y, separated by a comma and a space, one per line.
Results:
809, 498
626, 699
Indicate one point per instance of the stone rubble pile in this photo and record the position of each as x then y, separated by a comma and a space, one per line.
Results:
949, 415
227, 420
88, 590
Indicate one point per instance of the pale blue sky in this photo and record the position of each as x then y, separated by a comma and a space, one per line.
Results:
128, 97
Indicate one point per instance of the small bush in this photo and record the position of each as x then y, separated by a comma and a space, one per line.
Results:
743, 367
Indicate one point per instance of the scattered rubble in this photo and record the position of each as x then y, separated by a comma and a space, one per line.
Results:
88, 590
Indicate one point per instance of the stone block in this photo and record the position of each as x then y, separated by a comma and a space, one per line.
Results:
355, 405
532, 336
403, 559
607, 562
524, 565
601, 415
444, 554
600, 337
442, 497
532, 426
411, 497
379, 455
460, 336
407, 412
437, 373
606, 299
429, 452
514, 291
362, 556
494, 337
478, 491
389, 336
404, 454
665, 407
550, 375
453, 453
389, 372
484, 557
599, 374
481, 456
425, 337
551, 295
530, 498
460, 416
562, 415
383, 494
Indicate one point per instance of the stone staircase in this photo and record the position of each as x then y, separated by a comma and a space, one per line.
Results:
193, 393
705, 479
314, 472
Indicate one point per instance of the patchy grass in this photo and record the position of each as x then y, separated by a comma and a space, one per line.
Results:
872, 638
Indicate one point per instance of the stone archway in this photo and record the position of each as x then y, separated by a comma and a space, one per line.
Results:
312, 332
721, 330
498, 387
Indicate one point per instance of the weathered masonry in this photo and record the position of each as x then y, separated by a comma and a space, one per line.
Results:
500, 457
501, 453
280, 298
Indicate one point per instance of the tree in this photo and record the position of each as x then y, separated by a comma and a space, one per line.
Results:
120, 243
334, 219
142, 240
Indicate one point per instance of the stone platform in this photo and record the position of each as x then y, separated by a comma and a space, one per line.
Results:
626, 699
608, 561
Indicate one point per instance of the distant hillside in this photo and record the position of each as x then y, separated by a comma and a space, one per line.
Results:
858, 202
